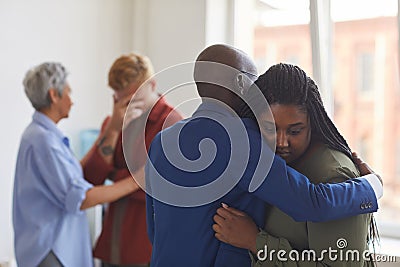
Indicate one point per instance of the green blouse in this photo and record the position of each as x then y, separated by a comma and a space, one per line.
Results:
305, 244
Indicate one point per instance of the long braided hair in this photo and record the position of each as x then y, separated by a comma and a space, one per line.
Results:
288, 84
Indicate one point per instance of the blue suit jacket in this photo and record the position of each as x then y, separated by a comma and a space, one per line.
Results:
210, 149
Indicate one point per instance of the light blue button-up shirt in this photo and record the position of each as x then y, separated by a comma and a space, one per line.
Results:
48, 191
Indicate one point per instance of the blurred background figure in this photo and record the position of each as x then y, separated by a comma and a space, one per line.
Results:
123, 240
50, 192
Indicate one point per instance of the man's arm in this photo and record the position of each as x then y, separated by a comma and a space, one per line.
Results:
269, 178
238, 229
295, 195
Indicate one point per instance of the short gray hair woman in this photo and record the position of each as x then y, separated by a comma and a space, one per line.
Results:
40, 79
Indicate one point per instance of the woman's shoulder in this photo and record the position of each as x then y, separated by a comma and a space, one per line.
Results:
322, 164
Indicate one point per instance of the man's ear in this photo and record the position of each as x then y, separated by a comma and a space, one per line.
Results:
53, 95
242, 84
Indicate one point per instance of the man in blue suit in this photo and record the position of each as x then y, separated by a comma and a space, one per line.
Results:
215, 157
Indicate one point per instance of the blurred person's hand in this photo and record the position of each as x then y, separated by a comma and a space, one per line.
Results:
120, 108
134, 110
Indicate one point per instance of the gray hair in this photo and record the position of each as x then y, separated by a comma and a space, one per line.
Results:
40, 79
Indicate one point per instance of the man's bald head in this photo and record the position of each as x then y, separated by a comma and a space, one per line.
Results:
228, 55
219, 71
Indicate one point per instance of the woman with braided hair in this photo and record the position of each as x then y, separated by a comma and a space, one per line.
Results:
307, 139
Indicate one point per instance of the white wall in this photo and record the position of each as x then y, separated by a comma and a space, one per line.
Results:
176, 31
170, 33
86, 36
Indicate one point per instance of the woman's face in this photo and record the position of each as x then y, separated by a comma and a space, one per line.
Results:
290, 125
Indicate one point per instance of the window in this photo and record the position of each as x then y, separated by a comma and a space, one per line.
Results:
362, 149
282, 34
398, 160
366, 64
363, 77
365, 71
